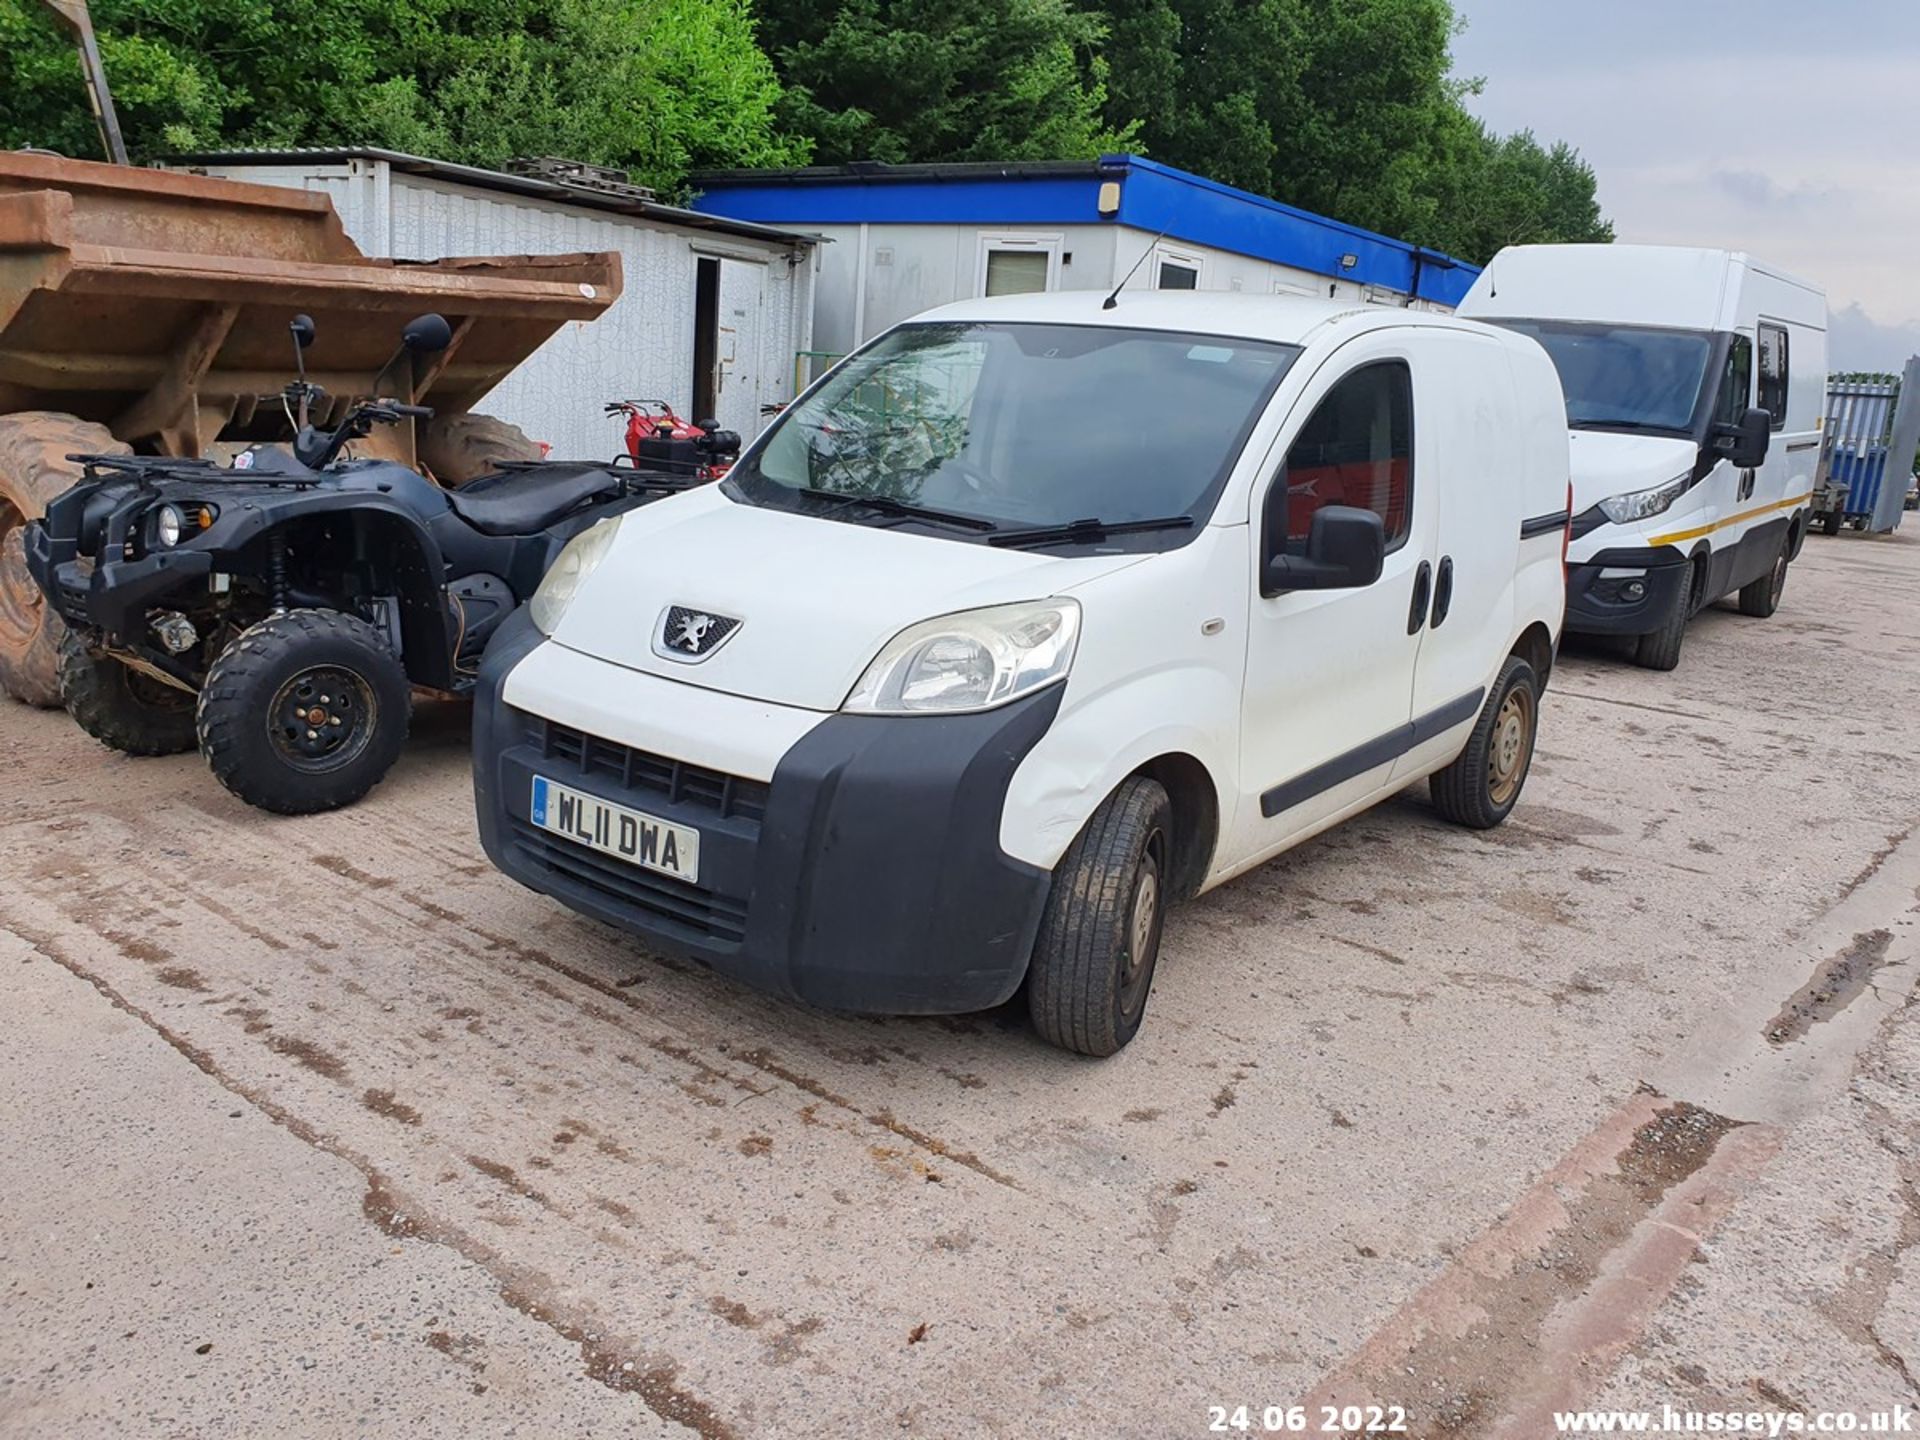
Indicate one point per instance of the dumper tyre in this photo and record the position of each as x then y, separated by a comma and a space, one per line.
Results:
305, 711
121, 707
459, 448
1760, 598
1831, 522
1481, 787
34, 469
1093, 961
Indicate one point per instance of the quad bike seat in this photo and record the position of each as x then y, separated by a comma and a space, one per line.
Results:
522, 501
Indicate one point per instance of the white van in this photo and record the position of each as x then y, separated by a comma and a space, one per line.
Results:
1030, 617
1694, 383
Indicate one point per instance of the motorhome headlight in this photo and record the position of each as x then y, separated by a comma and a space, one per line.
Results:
575, 562
1644, 504
169, 525
974, 660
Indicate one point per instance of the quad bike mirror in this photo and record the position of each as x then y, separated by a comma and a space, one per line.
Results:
303, 332
427, 334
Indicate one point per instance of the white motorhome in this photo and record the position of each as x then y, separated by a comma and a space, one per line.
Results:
1031, 616
1694, 382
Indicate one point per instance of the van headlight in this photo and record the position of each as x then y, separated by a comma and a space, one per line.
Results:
974, 660
576, 561
1644, 504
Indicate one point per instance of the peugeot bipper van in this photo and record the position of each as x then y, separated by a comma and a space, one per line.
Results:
1694, 383
1027, 619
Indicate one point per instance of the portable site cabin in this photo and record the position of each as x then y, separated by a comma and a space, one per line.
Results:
906, 238
713, 311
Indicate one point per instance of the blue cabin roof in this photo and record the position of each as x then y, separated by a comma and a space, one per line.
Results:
1153, 198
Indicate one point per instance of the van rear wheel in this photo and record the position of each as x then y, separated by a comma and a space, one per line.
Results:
1093, 961
1481, 787
1760, 598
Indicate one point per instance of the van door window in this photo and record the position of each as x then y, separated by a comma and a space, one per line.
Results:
1736, 382
1355, 449
1773, 373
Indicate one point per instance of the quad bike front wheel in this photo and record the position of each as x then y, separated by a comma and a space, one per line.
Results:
34, 445
123, 708
305, 711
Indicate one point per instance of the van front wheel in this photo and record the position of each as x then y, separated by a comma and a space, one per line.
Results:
1093, 961
1481, 787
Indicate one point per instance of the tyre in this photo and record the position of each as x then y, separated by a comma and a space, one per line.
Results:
1830, 522
121, 707
1481, 787
1661, 649
459, 448
1760, 598
304, 712
1093, 960
34, 469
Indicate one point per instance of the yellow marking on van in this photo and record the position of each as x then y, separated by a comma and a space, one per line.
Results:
1677, 536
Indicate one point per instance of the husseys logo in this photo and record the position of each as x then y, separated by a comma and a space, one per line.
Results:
687, 634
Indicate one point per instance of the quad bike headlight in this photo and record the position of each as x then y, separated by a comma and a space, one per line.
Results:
974, 660
579, 559
174, 523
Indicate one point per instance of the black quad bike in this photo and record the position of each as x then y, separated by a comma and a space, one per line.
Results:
278, 613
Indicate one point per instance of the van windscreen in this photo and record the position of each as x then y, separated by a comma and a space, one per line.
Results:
1624, 377
977, 428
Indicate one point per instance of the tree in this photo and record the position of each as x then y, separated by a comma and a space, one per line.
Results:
1345, 107
908, 80
657, 87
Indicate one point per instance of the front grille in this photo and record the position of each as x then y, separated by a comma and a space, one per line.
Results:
729, 796
719, 917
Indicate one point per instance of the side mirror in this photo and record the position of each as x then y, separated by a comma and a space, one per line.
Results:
427, 334
302, 328
1346, 547
1744, 442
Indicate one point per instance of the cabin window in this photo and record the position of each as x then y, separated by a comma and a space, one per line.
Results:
1736, 382
1018, 264
1773, 373
1355, 449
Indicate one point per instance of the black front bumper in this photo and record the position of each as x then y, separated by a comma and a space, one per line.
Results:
868, 876
1606, 607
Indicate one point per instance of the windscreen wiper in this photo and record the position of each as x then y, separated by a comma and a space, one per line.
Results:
1081, 532
889, 505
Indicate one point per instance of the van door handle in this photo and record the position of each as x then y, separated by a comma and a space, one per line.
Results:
1443, 591
1422, 590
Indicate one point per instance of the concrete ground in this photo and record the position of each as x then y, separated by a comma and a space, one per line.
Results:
322, 1127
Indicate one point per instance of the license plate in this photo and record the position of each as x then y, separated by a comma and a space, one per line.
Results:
629, 835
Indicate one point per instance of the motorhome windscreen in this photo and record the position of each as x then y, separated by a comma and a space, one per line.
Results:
1624, 377
1009, 426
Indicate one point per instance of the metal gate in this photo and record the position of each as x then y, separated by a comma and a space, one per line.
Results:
1868, 447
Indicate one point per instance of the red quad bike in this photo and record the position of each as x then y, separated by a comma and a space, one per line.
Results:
658, 439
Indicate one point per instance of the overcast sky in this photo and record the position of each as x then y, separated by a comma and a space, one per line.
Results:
1788, 128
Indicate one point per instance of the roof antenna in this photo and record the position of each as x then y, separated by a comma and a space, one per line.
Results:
1114, 299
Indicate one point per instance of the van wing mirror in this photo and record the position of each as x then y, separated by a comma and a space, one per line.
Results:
1744, 442
1346, 547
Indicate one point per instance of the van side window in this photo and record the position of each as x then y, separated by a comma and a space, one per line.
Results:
1355, 449
1736, 382
1773, 373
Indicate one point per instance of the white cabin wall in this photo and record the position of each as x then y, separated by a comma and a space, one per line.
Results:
642, 347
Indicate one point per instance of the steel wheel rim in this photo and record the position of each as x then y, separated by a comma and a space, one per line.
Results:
322, 718
1141, 939
1510, 746
20, 599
